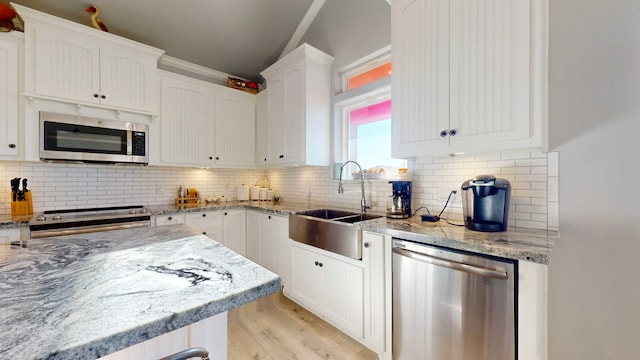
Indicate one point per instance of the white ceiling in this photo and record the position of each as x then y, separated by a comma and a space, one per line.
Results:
237, 37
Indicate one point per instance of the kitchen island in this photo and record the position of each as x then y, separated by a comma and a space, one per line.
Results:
86, 296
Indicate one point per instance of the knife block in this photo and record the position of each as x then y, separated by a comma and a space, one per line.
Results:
24, 207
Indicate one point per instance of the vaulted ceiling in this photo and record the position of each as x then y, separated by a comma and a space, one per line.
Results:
240, 37
236, 37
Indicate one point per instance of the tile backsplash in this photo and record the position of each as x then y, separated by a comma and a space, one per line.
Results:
533, 176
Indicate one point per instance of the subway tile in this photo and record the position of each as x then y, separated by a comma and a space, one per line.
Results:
531, 162
515, 155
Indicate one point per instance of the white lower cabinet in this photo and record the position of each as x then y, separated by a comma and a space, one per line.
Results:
6, 237
375, 305
330, 287
234, 231
225, 226
268, 243
173, 219
532, 310
210, 333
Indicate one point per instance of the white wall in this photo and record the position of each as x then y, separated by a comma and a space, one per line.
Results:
594, 297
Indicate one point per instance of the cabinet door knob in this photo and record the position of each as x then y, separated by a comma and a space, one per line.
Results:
269, 217
103, 96
366, 245
320, 264
170, 218
217, 157
225, 214
204, 233
12, 146
453, 132
265, 159
210, 157
96, 96
204, 215
443, 133
281, 156
316, 263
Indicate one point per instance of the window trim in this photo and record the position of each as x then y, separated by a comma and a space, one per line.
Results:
362, 65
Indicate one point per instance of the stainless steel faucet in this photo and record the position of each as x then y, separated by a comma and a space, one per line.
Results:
363, 201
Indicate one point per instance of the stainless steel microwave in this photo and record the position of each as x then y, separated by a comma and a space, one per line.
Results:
80, 138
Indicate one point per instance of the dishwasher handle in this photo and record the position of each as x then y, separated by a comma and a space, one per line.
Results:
434, 260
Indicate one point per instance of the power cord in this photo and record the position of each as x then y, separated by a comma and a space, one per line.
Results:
436, 218
421, 207
445, 206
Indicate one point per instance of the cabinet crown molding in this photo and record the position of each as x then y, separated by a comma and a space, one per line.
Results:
34, 17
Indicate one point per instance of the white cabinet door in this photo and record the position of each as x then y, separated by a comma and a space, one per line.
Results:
373, 259
9, 235
128, 79
67, 65
343, 297
307, 278
294, 116
9, 97
234, 231
186, 123
253, 236
329, 287
78, 67
420, 39
262, 126
173, 219
298, 108
489, 71
463, 76
235, 127
275, 121
6, 237
268, 243
209, 223
274, 245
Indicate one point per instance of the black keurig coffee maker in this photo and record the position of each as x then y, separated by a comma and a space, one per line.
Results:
485, 203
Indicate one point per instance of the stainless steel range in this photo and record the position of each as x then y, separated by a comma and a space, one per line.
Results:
80, 221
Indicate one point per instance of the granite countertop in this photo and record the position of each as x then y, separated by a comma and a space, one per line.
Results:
515, 243
85, 296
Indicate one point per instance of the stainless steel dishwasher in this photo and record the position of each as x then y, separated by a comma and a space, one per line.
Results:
452, 305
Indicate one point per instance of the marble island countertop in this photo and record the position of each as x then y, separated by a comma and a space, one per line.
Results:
85, 296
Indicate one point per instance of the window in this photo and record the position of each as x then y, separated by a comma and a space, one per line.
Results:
364, 119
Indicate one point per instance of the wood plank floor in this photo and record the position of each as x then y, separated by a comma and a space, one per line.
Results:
276, 328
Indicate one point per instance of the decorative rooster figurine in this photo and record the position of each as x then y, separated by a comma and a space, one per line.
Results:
6, 18
97, 23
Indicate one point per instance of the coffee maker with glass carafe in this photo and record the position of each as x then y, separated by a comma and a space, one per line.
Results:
399, 206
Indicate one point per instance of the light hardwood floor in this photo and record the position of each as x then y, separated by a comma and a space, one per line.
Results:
276, 328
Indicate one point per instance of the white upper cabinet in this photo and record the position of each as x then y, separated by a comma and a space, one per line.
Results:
184, 133
9, 89
298, 109
203, 124
467, 76
235, 128
262, 144
76, 63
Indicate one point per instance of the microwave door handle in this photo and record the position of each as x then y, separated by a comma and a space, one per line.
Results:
434, 260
